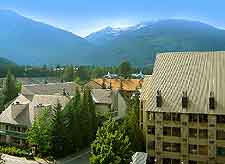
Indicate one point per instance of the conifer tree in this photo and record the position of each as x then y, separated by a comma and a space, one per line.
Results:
9, 88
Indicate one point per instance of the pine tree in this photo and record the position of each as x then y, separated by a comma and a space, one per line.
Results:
72, 115
93, 119
9, 88
131, 126
85, 120
58, 131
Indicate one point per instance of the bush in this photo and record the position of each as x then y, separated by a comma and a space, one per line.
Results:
12, 150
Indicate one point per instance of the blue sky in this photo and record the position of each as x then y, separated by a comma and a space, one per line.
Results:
85, 16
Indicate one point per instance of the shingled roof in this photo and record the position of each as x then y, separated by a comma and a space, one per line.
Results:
102, 96
50, 89
127, 84
197, 73
22, 111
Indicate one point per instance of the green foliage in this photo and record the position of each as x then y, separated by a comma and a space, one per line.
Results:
68, 73
15, 151
73, 131
58, 131
41, 131
125, 69
111, 146
9, 88
131, 126
64, 131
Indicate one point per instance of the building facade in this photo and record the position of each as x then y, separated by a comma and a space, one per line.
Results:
182, 109
107, 100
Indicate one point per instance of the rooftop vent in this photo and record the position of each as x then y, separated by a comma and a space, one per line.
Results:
184, 100
158, 99
211, 101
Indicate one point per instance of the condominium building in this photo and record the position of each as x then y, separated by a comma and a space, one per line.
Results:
182, 109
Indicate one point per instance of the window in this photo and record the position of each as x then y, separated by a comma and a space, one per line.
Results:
193, 133
193, 149
220, 135
220, 119
6, 127
166, 146
176, 132
171, 161
151, 116
203, 133
151, 145
203, 149
167, 116
192, 162
193, 118
203, 118
171, 131
151, 130
175, 147
171, 147
166, 131
220, 151
141, 115
175, 116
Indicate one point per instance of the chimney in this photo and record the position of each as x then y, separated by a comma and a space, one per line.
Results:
184, 100
121, 84
211, 101
158, 99
103, 83
110, 84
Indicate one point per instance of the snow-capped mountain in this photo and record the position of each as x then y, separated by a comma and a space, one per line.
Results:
111, 33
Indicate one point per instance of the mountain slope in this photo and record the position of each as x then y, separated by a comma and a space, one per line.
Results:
140, 45
30, 42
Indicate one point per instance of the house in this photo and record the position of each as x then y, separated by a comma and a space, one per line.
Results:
126, 86
68, 88
182, 109
107, 100
21, 113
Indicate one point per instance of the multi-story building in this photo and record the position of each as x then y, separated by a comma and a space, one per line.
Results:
182, 109
22, 111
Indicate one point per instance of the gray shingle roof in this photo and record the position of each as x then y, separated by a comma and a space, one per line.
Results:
50, 88
198, 73
102, 96
22, 111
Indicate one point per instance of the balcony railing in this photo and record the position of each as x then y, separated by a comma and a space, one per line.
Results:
13, 134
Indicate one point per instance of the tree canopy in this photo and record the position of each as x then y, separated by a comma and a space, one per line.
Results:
111, 146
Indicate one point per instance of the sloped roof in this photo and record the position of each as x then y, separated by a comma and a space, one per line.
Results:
93, 85
50, 88
102, 96
139, 158
25, 116
22, 117
145, 86
198, 73
127, 84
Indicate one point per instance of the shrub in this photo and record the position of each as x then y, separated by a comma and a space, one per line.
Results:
12, 150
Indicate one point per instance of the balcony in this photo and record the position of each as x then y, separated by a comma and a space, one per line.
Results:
13, 134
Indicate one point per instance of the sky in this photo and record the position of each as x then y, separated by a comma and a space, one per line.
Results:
83, 17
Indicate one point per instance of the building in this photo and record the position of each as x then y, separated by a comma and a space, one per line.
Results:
182, 109
107, 100
20, 114
126, 86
